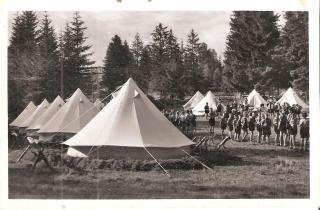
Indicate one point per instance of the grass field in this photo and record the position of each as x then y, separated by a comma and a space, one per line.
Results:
242, 170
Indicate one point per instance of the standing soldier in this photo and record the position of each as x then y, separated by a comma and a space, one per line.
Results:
259, 127
266, 129
237, 127
293, 129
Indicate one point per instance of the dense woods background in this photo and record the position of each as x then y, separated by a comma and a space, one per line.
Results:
259, 54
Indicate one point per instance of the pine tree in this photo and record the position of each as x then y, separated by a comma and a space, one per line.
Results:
76, 57
50, 56
195, 76
115, 69
253, 35
137, 48
145, 69
24, 62
292, 54
159, 57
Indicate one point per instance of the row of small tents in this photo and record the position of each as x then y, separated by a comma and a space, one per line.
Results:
198, 101
129, 126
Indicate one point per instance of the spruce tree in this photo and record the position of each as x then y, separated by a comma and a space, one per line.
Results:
50, 56
76, 57
253, 35
115, 69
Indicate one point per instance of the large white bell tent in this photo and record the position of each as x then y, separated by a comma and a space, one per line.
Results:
210, 99
255, 99
129, 127
193, 101
291, 97
27, 112
46, 116
36, 114
71, 118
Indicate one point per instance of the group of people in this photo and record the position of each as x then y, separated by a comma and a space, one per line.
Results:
239, 121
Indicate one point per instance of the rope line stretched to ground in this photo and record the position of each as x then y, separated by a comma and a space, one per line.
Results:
204, 165
158, 163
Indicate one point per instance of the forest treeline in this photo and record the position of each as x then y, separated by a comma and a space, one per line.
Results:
258, 54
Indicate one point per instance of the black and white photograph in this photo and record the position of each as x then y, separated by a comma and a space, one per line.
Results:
159, 105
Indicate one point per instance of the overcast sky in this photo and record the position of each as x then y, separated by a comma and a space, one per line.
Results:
212, 26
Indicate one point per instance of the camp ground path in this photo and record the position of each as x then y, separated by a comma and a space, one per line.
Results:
242, 170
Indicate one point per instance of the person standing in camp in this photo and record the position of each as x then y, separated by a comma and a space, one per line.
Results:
283, 129
244, 126
259, 127
223, 124
237, 127
276, 128
266, 129
193, 120
304, 131
252, 122
206, 110
293, 129
212, 121
219, 109
230, 124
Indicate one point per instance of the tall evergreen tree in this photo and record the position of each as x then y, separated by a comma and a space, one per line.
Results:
291, 56
137, 49
76, 57
50, 56
24, 62
249, 45
195, 76
116, 65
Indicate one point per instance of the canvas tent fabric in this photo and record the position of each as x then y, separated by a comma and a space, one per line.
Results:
126, 126
291, 97
72, 116
27, 112
255, 99
46, 116
209, 98
36, 114
99, 104
196, 98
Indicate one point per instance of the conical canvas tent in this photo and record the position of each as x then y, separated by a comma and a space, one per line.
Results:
27, 112
196, 98
291, 97
36, 114
129, 127
46, 116
210, 99
71, 118
99, 104
255, 99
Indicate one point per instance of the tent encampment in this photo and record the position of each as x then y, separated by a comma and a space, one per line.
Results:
210, 99
70, 118
193, 101
255, 99
46, 116
291, 97
36, 114
129, 127
27, 112
99, 104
